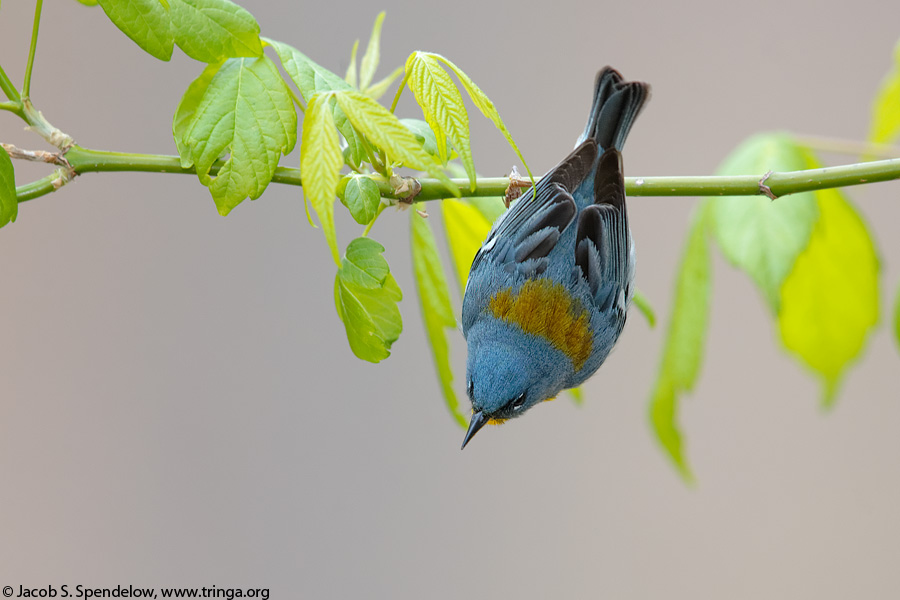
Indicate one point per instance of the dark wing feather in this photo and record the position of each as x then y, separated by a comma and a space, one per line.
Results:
528, 231
602, 243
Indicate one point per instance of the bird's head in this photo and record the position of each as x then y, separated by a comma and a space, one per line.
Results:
508, 372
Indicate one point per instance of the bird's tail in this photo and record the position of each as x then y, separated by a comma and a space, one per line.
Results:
616, 104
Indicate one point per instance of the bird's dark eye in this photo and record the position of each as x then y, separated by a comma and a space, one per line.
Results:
470, 388
519, 402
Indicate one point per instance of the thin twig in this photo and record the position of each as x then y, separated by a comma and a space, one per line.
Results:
54, 158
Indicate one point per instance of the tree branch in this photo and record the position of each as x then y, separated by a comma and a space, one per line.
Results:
84, 160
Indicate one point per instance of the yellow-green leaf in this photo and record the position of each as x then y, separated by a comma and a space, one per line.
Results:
377, 89
351, 76
486, 107
371, 58
366, 297
577, 395
758, 235
9, 206
442, 106
466, 229
643, 305
437, 312
685, 338
211, 30
387, 132
490, 207
885, 124
320, 163
897, 318
146, 22
829, 302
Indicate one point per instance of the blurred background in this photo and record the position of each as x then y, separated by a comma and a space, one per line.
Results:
180, 406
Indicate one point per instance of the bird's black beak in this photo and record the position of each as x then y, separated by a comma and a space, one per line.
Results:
478, 421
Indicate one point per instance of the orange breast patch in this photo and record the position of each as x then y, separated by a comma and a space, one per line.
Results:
545, 308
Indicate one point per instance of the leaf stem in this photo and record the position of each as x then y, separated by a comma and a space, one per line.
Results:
296, 99
378, 211
377, 164
399, 91
8, 88
26, 87
84, 160
14, 107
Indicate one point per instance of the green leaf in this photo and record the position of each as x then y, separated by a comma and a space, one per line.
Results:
361, 196
356, 150
187, 108
486, 107
89, 2
9, 206
466, 229
442, 106
829, 302
758, 235
210, 30
309, 77
685, 337
425, 135
643, 305
437, 312
885, 125
247, 111
373, 54
351, 76
377, 90
320, 163
366, 297
312, 78
388, 133
146, 22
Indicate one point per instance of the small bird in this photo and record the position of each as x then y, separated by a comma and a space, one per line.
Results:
549, 288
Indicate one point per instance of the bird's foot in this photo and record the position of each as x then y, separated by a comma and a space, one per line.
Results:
516, 185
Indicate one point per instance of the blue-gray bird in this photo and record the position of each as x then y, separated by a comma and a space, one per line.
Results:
549, 289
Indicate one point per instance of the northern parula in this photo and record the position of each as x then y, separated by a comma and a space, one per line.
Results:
549, 289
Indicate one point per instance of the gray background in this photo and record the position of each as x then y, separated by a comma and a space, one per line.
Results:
179, 405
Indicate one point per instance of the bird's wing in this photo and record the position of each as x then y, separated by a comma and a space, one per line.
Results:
524, 236
603, 241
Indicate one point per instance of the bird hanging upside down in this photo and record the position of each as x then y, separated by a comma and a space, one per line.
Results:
548, 291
